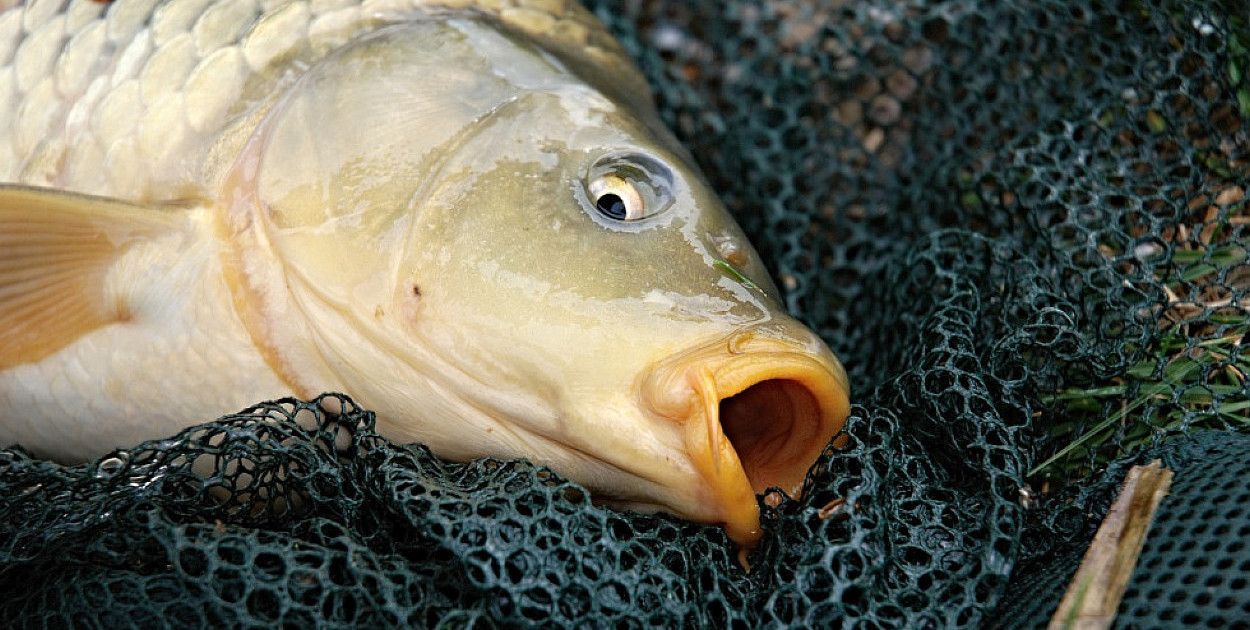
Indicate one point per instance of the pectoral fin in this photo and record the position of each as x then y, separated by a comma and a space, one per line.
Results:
56, 249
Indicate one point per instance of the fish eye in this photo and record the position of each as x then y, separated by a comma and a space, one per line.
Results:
617, 198
629, 187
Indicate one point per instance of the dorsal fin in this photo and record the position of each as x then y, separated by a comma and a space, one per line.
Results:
55, 252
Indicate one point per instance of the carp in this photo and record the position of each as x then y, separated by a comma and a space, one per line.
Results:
468, 216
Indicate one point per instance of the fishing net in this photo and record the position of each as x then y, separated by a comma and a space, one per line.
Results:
1021, 225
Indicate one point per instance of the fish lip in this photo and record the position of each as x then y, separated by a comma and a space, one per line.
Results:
690, 389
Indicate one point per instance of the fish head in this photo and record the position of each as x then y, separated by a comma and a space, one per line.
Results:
499, 258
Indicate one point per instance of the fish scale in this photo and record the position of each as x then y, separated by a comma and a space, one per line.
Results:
125, 98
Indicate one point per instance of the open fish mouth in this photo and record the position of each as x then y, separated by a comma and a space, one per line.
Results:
755, 412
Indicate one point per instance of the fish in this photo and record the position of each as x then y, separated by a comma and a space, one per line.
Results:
468, 216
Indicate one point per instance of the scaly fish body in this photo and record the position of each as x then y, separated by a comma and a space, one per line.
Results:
132, 98
466, 215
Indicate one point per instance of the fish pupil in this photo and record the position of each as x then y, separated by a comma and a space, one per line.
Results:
611, 206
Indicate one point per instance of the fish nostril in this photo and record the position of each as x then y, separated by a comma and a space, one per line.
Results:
775, 427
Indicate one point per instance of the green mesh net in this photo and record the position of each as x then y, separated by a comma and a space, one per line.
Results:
1021, 225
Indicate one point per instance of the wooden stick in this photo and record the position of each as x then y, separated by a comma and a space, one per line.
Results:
1099, 583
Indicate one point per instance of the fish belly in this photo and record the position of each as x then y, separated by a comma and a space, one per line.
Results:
181, 356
